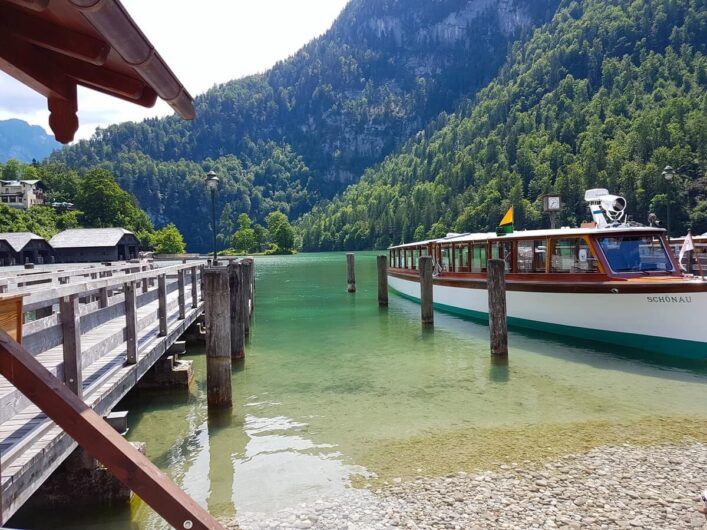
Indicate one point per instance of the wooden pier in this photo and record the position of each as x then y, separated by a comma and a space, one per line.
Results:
97, 329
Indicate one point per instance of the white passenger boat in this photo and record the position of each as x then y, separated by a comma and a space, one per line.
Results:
613, 283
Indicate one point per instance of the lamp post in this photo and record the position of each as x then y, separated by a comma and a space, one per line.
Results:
668, 174
212, 184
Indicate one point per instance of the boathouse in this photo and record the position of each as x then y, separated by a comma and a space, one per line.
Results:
17, 248
81, 245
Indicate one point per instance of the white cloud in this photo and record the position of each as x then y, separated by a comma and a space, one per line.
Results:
204, 42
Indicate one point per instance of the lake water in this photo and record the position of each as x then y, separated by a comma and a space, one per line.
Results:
338, 393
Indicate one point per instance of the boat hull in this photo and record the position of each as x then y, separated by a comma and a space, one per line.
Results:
657, 321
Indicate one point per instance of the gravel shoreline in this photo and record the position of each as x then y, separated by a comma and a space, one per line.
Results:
611, 487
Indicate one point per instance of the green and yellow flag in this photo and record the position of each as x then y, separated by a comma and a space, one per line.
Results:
506, 224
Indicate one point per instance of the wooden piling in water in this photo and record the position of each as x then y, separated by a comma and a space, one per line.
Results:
382, 262
237, 316
246, 270
498, 327
218, 338
350, 273
426, 293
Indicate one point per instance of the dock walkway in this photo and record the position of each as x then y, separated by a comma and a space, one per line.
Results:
127, 317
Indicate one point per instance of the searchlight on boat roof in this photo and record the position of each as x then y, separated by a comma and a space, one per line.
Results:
607, 210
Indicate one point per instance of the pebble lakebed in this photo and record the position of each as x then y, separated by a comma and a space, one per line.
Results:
610, 487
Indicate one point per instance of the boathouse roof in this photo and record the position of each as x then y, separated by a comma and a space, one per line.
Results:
89, 237
53, 47
19, 240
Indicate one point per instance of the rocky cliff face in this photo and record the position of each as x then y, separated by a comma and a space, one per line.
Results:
441, 54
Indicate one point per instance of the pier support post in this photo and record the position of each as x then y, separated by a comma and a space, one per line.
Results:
350, 273
237, 319
498, 327
246, 275
382, 262
426, 293
218, 338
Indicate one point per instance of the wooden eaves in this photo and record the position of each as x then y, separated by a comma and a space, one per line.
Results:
53, 46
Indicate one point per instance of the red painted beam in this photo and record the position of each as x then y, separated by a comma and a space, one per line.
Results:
100, 440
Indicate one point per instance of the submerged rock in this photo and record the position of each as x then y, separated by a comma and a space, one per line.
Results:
611, 487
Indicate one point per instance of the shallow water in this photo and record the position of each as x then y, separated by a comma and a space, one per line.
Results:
335, 389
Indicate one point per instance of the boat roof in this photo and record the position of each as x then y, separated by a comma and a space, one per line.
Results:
526, 234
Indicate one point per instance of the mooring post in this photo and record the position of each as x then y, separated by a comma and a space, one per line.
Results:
243, 302
131, 322
236, 282
218, 338
246, 275
498, 327
426, 294
350, 273
251, 286
71, 344
382, 262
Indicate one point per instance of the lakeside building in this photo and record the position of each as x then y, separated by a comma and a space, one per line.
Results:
22, 194
18, 248
82, 245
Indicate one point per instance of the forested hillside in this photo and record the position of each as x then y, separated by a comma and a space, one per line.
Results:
606, 94
311, 125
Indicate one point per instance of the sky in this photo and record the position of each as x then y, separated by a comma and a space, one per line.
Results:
205, 42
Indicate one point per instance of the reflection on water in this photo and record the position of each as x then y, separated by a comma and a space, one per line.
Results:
498, 369
334, 386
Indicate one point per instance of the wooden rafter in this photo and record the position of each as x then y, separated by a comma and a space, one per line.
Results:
52, 36
54, 46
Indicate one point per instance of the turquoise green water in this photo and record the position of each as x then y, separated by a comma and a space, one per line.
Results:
335, 388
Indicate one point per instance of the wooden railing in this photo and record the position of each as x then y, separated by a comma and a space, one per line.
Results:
22, 278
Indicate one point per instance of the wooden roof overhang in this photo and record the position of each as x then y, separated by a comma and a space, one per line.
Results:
54, 45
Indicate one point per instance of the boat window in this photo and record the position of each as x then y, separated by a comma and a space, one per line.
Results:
462, 254
478, 257
532, 255
635, 254
414, 258
446, 253
503, 250
574, 256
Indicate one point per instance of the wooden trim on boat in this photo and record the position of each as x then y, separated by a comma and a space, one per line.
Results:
557, 283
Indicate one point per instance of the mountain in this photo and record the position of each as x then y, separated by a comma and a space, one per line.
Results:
310, 126
24, 142
605, 95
